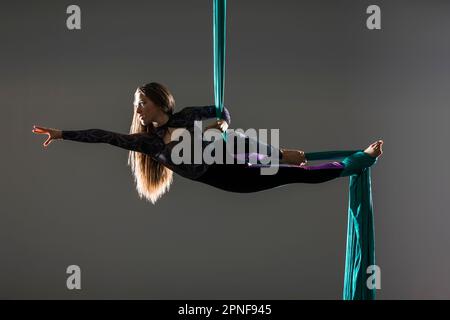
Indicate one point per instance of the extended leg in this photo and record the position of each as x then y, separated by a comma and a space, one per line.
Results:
245, 179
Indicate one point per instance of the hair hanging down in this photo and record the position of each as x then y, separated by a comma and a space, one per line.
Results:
152, 178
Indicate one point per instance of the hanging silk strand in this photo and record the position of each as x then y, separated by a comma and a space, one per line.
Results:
219, 44
360, 248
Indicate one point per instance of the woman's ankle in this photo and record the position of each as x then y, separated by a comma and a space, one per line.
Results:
356, 163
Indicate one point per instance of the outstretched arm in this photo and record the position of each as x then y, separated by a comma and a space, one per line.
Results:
141, 142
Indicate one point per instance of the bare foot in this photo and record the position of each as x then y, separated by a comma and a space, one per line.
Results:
375, 149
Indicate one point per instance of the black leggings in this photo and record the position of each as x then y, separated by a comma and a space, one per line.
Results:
244, 179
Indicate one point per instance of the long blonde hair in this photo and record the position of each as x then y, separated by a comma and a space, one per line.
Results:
152, 178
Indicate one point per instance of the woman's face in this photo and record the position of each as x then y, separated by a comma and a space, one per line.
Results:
145, 108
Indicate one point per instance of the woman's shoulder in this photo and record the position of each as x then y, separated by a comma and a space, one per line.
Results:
188, 110
187, 115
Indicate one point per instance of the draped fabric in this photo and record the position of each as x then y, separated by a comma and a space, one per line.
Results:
360, 248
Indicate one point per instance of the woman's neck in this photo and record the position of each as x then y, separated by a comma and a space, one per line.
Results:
161, 120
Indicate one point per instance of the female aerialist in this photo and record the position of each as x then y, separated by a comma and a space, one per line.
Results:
150, 144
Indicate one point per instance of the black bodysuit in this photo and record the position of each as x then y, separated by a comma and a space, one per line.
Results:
244, 177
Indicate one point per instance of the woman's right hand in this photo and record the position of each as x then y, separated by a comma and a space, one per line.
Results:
53, 134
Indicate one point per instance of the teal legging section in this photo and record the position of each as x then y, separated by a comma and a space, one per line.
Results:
360, 249
360, 252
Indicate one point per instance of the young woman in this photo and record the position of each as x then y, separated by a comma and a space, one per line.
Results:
150, 144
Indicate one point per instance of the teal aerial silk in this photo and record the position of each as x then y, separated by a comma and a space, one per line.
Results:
360, 249
219, 44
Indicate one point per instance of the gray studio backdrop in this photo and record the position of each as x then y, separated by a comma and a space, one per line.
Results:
310, 68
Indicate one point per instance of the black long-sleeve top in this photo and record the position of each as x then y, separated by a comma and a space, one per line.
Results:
153, 144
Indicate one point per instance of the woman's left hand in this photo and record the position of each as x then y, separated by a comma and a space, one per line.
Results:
221, 125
